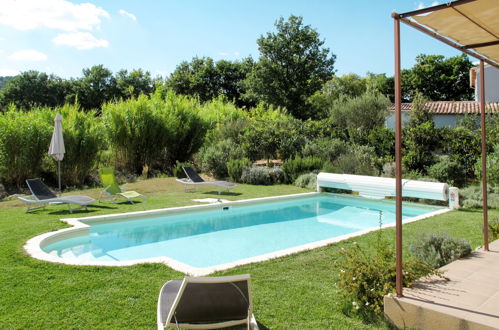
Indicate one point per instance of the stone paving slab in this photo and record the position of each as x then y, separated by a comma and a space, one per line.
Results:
467, 299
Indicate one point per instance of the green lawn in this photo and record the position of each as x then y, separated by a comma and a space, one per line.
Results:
291, 292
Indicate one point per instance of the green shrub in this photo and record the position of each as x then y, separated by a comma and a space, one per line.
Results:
360, 160
83, 141
272, 134
421, 141
262, 175
294, 167
449, 170
235, 168
178, 171
389, 170
153, 131
471, 197
308, 181
438, 250
464, 145
214, 158
365, 278
492, 166
324, 148
135, 132
494, 229
382, 139
328, 167
24, 142
185, 129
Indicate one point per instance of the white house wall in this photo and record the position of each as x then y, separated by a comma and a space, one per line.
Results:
491, 84
439, 120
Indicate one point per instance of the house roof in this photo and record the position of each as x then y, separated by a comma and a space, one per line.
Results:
453, 107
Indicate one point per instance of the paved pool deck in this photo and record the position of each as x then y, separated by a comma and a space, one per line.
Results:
468, 300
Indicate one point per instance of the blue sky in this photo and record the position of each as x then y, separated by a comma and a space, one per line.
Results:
65, 36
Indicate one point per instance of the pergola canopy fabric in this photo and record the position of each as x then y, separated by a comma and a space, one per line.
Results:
471, 24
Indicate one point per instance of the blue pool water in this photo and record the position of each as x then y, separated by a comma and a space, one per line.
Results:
214, 237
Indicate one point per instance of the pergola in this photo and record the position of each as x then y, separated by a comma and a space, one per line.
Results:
471, 26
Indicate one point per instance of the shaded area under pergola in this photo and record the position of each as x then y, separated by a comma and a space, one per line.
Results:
471, 26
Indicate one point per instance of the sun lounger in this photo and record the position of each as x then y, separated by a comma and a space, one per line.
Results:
206, 303
193, 179
43, 196
113, 190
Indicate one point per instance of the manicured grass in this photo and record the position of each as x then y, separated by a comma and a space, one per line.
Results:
296, 291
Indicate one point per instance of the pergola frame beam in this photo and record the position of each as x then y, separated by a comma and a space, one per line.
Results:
446, 41
398, 120
482, 44
434, 8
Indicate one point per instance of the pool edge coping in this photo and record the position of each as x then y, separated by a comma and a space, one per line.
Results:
34, 245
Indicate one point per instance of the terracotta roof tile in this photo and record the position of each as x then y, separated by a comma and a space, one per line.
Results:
454, 107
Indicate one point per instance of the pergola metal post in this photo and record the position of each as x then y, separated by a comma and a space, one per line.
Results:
484, 158
398, 160
470, 49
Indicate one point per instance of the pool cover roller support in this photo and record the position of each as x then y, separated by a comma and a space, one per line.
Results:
379, 187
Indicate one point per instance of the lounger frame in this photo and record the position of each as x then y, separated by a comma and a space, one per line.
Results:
250, 321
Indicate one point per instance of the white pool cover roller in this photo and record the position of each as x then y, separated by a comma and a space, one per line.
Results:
377, 187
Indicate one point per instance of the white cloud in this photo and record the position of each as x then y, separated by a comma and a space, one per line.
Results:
80, 40
421, 5
127, 14
28, 55
8, 72
53, 14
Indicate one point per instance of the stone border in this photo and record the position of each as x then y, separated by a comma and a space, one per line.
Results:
81, 225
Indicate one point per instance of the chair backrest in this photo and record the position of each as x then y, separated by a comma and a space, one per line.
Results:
191, 174
39, 189
109, 180
212, 300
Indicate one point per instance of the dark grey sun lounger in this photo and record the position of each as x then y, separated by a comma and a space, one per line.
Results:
42, 195
206, 303
194, 179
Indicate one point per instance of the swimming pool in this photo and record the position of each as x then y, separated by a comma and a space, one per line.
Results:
203, 239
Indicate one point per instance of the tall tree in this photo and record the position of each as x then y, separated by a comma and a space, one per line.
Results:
380, 83
293, 65
208, 79
133, 83
359, 115
4, 80
348, 85
96, 87
33, 88
421, 137
439, 78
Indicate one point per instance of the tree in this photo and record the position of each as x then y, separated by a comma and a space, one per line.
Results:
421, 137
348, 85
4, 80
33, 88
204, 78
351, 85
438, 78
231, 75
359, 115
380, 83
134, 83
293, 65
96, 87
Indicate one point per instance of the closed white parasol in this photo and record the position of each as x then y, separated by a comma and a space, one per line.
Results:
56, 148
